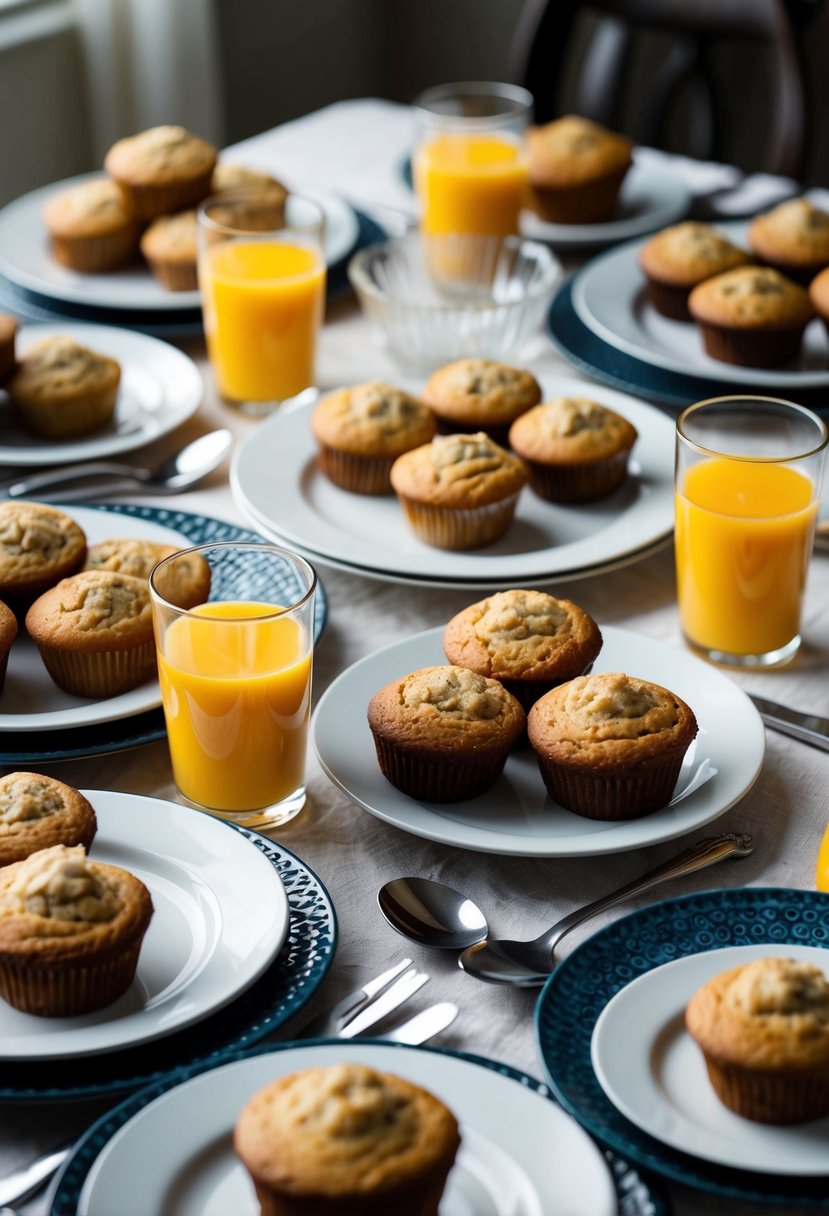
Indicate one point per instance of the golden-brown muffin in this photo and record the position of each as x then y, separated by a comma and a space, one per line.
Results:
360, 432
270, 193
62, 390
752, 316
8, 632
793, 238
763, 1029
170, 248
346, 1140
472, 395
609, 745
527, 639
39, 545
576, 169
37, 812
94, 631
677, 258
8, 335
161, 171
90, 227
443, 734
70, 932
184, 583
573, 448
459, 491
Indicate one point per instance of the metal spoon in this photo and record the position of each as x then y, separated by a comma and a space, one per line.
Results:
431, 913
178, 472
529, 964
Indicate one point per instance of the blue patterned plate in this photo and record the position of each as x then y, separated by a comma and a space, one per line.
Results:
289, 982
580, 988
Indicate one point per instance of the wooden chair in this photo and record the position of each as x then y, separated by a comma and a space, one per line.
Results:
646, 109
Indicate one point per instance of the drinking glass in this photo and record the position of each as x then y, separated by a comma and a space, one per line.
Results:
235, 676
262, 280
749, 474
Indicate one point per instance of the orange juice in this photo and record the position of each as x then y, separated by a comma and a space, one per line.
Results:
470, 184
743, 538
263, 305
822, 868
237, 695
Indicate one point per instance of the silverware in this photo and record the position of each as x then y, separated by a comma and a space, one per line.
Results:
808, 728
422, 1026
21, 1184
431, 913
333, 1021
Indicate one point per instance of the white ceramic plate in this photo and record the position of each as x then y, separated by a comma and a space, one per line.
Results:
654, 1073
368, 532
651, 197
26, 260
609, 297
160, 388
520, 1155
220, 918
517, 816
31, 701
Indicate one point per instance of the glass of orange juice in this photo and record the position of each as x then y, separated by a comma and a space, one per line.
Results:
749, 474
262, 279
235, 673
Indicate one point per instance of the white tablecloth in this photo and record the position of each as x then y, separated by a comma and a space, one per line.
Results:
356, 148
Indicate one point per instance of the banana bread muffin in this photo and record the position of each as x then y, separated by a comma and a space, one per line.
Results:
459, 491
170, 248
94, 632
37, 812
90, 227
763, 1029
793, 238
161, 171
8, 632
39, 545
528, 640
62, 390
443, 733
752, 316
677, 258
576, 170
610, 746
361, 431
233, 179
8, 336
184, 583
70, 932
346, 1140
479, 395
573, 448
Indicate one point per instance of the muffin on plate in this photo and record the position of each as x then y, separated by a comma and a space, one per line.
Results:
185, 583
443, 734
676, 259
574, 449
528, 640
609, 745
8, 335
459, 491
752, 316
576, 169
161, 171
170, 248
763, 1029
360, 432
37, 812
8, 632
472, 395
233, 179
94, 631
793, 238
39, 545
70, 932
91, 229
62, 390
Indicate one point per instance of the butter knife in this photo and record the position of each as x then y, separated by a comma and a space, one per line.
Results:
808, 728
422, 1026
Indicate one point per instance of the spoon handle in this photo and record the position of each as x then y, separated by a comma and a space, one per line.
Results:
57, 477
704, 853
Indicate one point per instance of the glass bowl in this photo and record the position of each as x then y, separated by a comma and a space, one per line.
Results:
441, 298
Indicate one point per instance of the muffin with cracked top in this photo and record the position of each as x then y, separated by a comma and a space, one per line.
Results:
161, 171
576, 169
185, 583
37, 812
752, 316
91, 228
480, 395
39, 545
170, 248
63, 390
676, 259
793, 238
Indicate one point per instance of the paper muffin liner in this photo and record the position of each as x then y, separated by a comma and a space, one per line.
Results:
586, 203
578, 483
148, 201
751, 348
359, 474
667, 298
450, 779
65, 419
646, 788
99, 673
459, 527
770, 1096
67, 991
420, 1199
97, 254
175, 276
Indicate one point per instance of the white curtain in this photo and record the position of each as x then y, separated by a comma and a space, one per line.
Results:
150, 62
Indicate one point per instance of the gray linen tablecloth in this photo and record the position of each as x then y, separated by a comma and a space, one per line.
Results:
357, 147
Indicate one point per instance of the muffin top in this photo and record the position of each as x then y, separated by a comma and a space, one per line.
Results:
477, 391
372, 419
573, 150
93, 610
687, 253
89, 209
571, 430
37, 812
522, 634
796, 232
229, 178
159, 156
458, 471
344, 1130
751, 297
772, 1013
172, 238
439, 708
608, 720
58, 369
127, 555
35, 538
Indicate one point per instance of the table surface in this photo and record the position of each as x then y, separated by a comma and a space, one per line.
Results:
357, 148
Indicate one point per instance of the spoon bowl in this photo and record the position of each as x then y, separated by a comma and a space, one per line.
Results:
431, 913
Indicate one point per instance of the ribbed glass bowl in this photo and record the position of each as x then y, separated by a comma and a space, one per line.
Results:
437, 299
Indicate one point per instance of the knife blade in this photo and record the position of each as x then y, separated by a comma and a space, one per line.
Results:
333, 1020
422, 1026
807, 728
389, 1000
